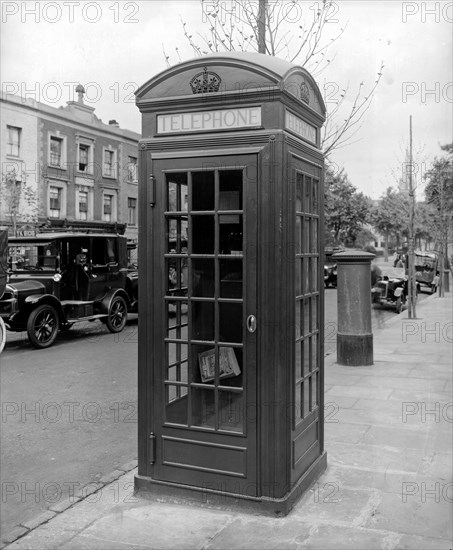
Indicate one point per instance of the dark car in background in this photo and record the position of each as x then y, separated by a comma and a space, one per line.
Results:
390, 288
330, 267
58, 279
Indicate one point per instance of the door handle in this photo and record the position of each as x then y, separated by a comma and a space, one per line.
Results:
251, 323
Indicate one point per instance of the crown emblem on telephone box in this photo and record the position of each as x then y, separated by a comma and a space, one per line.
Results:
207, 81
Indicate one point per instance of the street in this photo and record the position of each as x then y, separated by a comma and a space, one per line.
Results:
69, 413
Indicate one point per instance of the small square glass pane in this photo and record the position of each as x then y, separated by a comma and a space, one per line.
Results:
203, 407
231, 411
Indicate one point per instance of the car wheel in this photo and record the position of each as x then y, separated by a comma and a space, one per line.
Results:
117, 316
42, 326
2, 335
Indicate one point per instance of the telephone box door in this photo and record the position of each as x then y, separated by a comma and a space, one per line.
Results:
203, 235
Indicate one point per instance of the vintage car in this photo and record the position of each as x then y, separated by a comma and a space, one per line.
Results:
427, 270
58, 279
330, 267
390, 288
3, 278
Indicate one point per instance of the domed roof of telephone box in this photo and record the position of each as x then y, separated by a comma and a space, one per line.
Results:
233, 73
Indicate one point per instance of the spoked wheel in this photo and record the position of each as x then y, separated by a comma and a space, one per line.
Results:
2, 335
42, 326
117, 317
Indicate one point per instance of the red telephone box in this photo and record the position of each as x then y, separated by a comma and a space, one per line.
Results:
231, 291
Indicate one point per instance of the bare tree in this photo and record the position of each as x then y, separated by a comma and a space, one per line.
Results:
18, 199
237, 25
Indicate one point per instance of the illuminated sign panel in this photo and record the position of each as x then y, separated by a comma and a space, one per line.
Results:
300, 127
199, 121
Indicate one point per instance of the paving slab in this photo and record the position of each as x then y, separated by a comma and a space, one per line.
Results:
388, 482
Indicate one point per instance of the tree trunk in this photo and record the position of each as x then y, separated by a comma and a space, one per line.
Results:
262, 26
386, 245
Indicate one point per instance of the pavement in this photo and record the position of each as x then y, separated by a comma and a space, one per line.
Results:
388, 482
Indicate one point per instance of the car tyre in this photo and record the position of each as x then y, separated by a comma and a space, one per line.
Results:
2, 334
117, 317
42, 326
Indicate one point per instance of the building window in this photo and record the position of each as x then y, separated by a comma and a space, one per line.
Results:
85, 152
132, 169
109, 167
108, 208
132, 211
55, 202
56, 151
14, 135
56, 199
83, 205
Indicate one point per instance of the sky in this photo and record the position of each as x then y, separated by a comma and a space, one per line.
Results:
113, 47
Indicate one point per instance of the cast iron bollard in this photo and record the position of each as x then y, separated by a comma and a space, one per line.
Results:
354, 335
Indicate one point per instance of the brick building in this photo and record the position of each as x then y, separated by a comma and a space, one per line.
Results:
64, 168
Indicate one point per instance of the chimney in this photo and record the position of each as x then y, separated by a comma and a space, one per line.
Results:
114, 123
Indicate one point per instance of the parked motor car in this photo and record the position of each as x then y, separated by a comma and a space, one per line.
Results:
65, 278
330, 267
3, 278
330, 275
390, 288
427, 270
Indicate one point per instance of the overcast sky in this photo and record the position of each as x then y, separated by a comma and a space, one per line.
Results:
113, 47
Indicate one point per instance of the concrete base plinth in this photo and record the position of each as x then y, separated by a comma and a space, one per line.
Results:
355, 350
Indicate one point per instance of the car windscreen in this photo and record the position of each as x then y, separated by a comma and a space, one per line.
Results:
42, 256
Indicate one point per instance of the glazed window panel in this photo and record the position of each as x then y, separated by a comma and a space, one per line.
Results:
203, 190
315, 189
230, 322
306, 356
298, 235
203, 235
176, 410
314, 352
307, 396
314, 274
299, 192
298, 400
203, 274
203, 405
306, 236
313, 313
230, 189
298, 360
177, 192
230, 278
308, 205
314, 236
203, 327
298, 276
230, 234
231, 411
